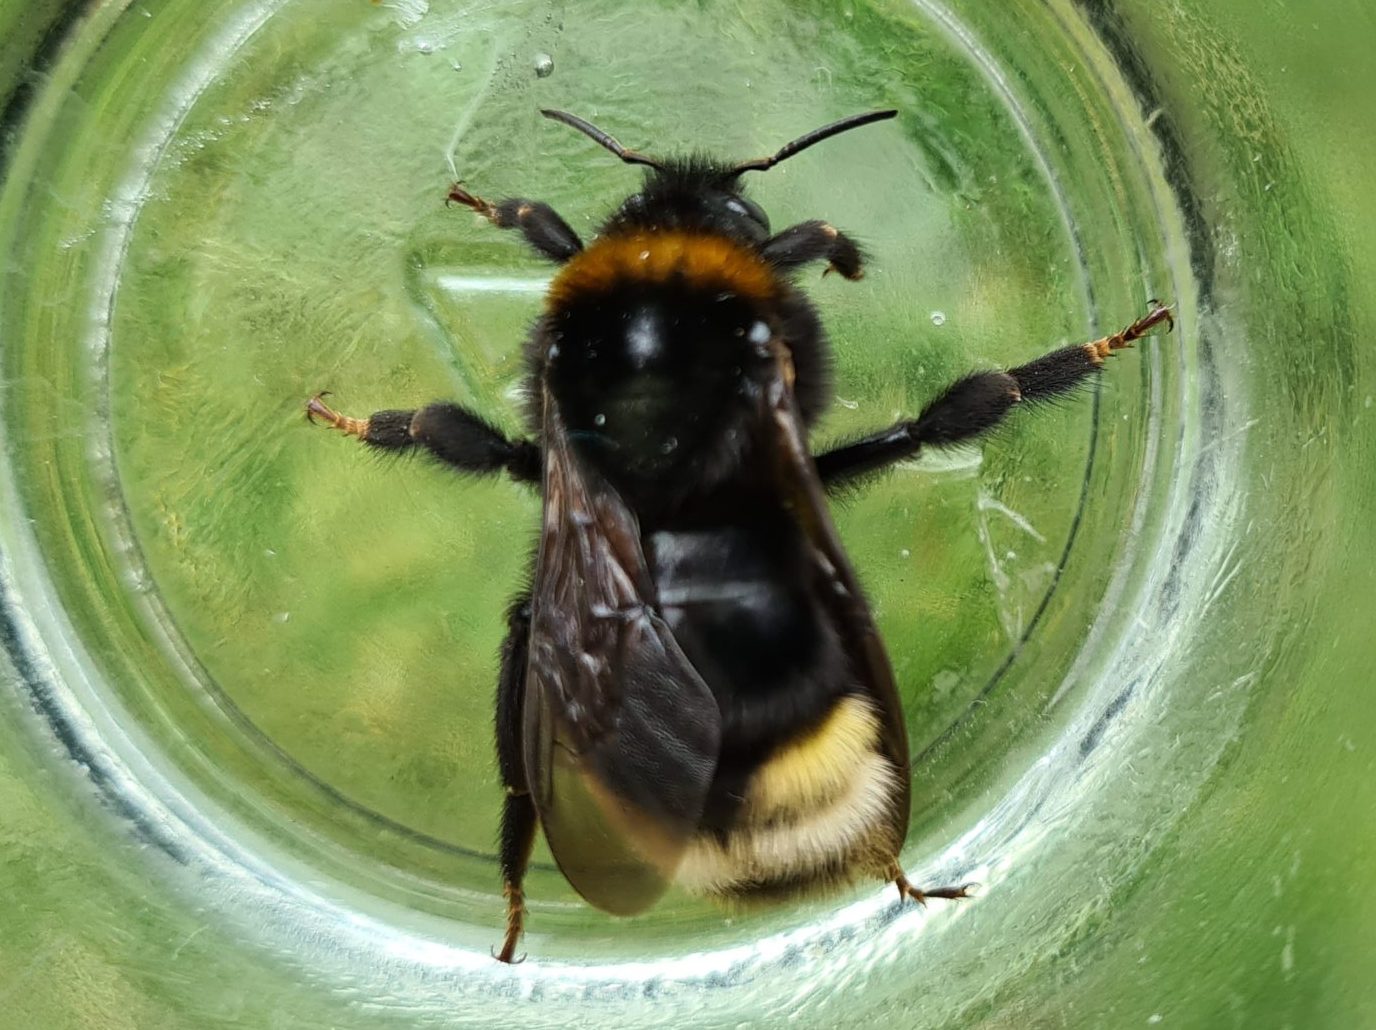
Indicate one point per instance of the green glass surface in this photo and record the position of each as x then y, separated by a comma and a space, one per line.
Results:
246, 772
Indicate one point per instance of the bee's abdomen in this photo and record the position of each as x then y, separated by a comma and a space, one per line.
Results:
818, 812
803, 795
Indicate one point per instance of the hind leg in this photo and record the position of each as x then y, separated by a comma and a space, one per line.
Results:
519, 819
907, 890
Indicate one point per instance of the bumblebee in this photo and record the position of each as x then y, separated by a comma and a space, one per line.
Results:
693, 691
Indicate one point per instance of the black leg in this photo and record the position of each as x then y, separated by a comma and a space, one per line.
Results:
511, 687
450, 433
979, 402
815, 241
539, 223
518, 813
518, 837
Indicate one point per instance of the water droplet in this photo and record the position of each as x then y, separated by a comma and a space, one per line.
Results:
544, 65
425, 46
938, 318
848, 405
599, 420
906, 553
281, 618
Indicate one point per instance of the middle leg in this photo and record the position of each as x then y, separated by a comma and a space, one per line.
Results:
454, 435
979, 402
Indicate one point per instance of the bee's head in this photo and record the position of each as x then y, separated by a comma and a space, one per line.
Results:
693, 193
700, 192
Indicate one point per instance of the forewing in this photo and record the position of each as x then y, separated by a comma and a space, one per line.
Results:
621, 733
837, 583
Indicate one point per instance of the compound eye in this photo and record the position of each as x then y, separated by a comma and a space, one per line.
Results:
747, 208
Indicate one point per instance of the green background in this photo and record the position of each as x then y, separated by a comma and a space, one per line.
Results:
282, 647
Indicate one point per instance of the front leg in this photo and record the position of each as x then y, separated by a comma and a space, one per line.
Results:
454, 435
979, 402
815, 241
539, 223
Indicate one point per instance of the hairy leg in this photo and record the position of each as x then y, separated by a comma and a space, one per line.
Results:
448, 432
979, 402
815, 241
539, 223
519, 819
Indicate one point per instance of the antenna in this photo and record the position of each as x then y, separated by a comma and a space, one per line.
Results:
631, 157
762, 164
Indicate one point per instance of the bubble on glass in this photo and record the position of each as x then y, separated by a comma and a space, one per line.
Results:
938, 318
544, 65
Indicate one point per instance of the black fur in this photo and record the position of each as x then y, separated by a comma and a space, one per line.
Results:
692, 193
815, 241
390, 430
765, 646
966, 409
511, 686
457, 437
1055, 375
541, 225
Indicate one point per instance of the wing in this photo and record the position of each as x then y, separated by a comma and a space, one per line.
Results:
837, 584
621, 734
